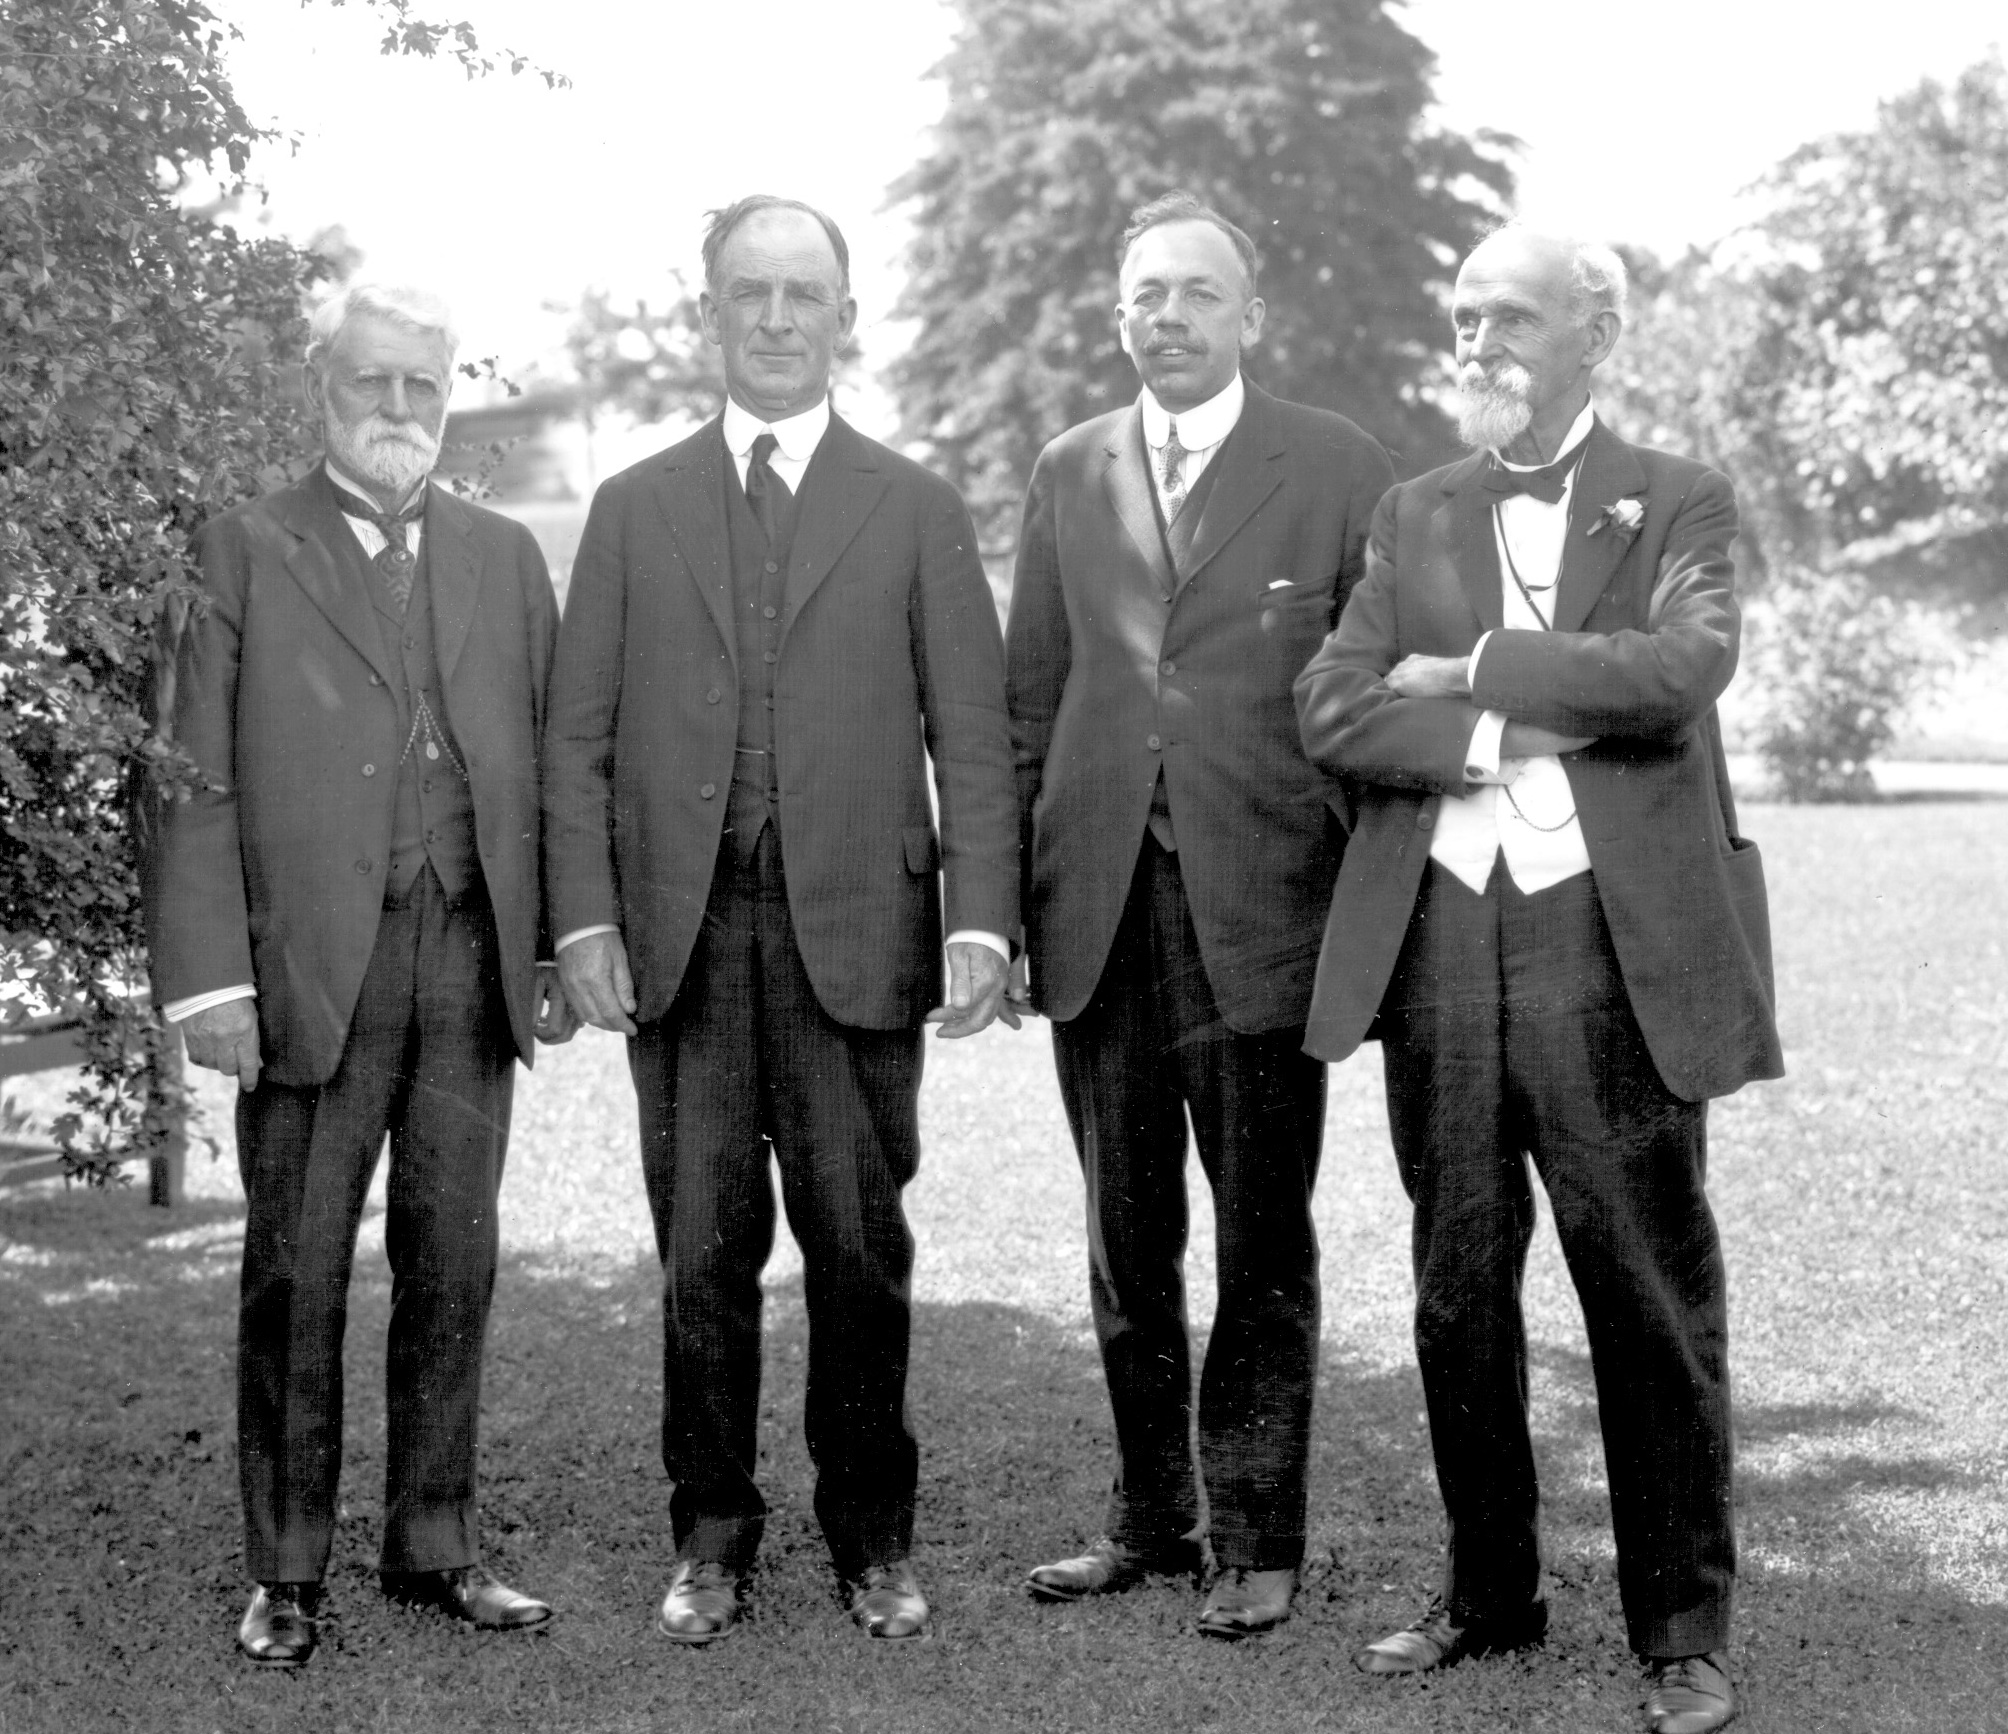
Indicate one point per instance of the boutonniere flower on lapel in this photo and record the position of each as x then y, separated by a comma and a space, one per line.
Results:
1622, 517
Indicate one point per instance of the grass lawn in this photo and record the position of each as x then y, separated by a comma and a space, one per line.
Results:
1867, 1227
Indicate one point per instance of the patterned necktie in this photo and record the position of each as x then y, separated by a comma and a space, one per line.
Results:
1545, 483
1174, 477
766, 493
394, 561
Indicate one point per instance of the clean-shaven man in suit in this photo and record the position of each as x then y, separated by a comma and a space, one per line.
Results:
773, 628
1180, 560
1547, 917
346, 916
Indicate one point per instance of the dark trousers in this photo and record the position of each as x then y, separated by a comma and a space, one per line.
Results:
429, 1061
1507, 1033
744, 1060
1149, 1050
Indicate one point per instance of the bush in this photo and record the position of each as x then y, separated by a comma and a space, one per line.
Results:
1832, 666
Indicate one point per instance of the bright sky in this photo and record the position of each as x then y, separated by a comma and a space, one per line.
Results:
1639, 124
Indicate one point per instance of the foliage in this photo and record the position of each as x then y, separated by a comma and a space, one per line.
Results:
1302, 120
1832, 665
643, 364
147, 380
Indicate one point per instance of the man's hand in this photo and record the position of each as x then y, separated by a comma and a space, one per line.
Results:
976, 978
225, 1039
556, 1021
1430, 677
594, 974
1520, 740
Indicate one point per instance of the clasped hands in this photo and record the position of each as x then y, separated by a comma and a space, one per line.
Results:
1448, 677
594, 972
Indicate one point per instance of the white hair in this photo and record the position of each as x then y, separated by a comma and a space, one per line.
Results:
416, 309
1598, 281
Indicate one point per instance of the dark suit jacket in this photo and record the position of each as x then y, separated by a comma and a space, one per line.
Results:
1645, 641
1109, 681
890, 655
275, 873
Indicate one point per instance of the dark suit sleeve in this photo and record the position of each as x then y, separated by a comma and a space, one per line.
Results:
1653, 684
1349, 720
1369, 476
1038, 647
199, 927
959, 657
580, 889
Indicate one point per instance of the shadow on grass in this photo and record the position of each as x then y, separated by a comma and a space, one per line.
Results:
118, 1514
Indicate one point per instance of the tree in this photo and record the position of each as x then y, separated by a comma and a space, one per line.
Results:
147, 356
1301, 120
645, 365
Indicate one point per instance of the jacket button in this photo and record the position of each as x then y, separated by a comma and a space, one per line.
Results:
1152, 743
770, 612
1167, 666
369, 770
705, 793
772, 567
711, 697
771, 656
1424, 820
362, 866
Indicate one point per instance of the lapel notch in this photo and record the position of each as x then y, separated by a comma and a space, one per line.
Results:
689, 495
1473, 549
454, 575
311, 515
1611, 471
1127, 479
1250, 471
840, 489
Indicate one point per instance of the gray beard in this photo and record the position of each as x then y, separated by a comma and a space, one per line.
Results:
1493, 413
393, 456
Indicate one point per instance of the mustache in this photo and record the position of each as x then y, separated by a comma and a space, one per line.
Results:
1509, 380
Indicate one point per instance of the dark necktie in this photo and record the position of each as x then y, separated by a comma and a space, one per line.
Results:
1544, 483
1174, 474
766, 493
394, 561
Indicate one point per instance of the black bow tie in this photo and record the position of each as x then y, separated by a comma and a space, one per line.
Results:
1545, 483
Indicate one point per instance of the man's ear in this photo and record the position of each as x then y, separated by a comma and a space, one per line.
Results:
1251, 321
1122, 332
1604, 330
311, 384
707, 318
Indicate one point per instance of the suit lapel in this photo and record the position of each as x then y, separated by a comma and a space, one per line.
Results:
310, 513
452, 572
1474, 551
1610, 472
1250, 471
841, 486
1127, 478
689, 494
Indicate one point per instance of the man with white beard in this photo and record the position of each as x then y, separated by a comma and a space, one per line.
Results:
1546, 917
347, 917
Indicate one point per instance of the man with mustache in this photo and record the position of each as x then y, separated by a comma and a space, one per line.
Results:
1547, 918
1179, 562
347, 918
777, 630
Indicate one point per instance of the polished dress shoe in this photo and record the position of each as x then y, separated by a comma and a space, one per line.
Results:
467, 1592
703, 1602
886, 1602
1242, 1603
1689, 1694
1441, 1639
279, 1629
1109, 1566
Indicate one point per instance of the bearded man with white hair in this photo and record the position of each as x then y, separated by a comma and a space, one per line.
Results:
347, 916
1547, 918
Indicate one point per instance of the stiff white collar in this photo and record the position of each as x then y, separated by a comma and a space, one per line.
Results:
1200, 428
798, 436
1579, 430
342, 479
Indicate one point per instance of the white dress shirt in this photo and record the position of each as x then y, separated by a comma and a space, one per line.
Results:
1523, 807
1201, 431
796, 439
373, 543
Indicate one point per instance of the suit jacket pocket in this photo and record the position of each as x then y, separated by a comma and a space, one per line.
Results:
1743, 875
923, 853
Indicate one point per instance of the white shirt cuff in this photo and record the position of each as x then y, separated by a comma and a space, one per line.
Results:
175, 1010
583, 933
1481, 757
996, 941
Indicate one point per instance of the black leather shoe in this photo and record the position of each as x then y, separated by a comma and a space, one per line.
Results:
1242, 1603
887, 1604
468, 1592
1441, 1639
703, 1602
1689, 1694
279, 1629
1110, 1566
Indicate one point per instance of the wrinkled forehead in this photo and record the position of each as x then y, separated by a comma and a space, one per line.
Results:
375, 340
1183, 252
783, 245
1518, 273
